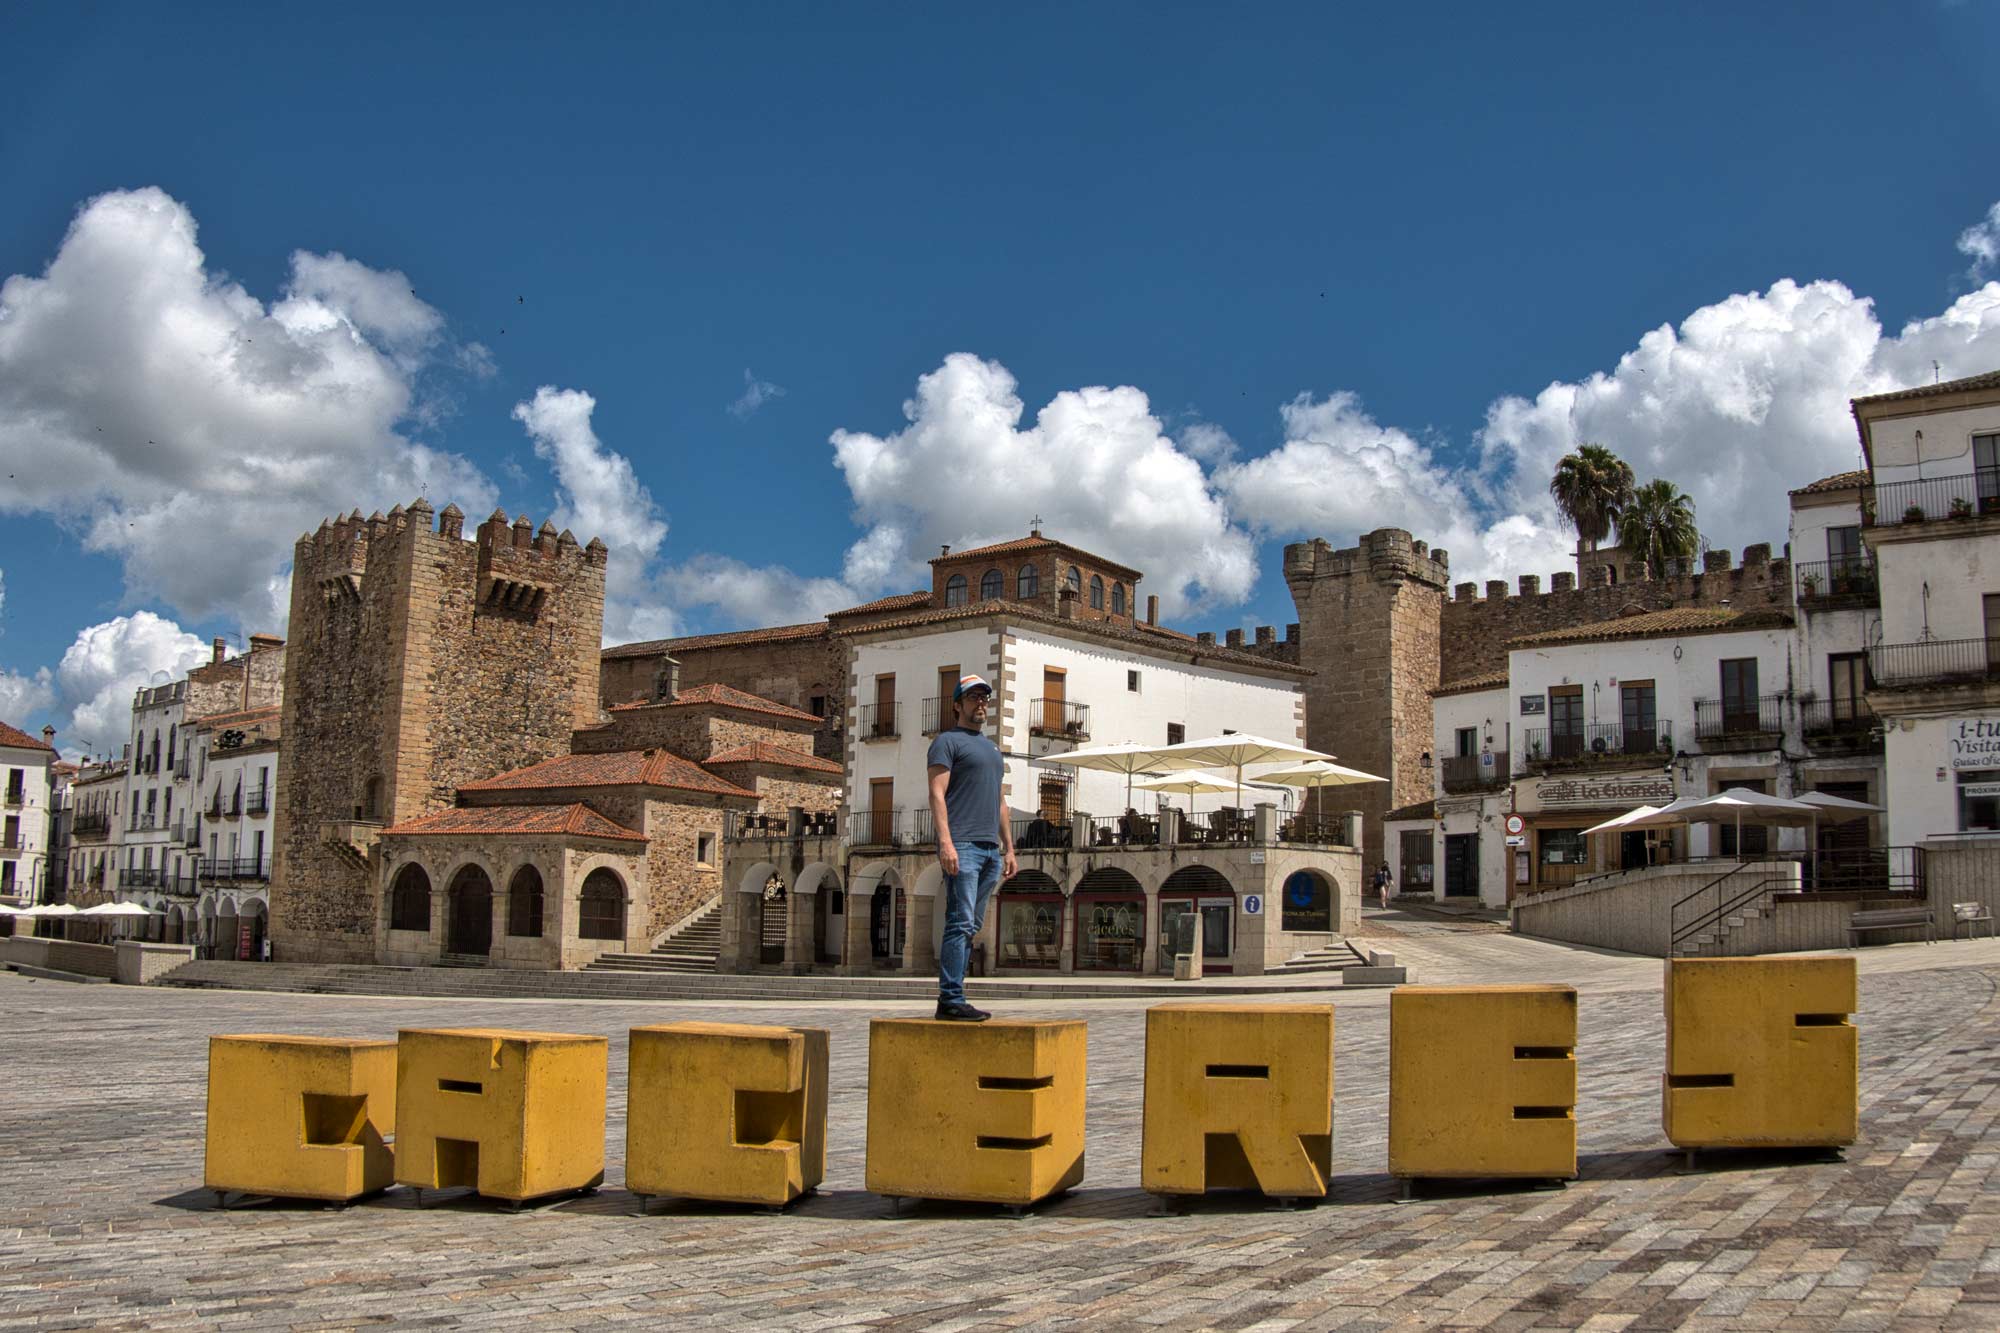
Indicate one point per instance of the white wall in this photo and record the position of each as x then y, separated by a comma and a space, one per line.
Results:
1958, 572
1922, 800
914, 660
1488, 710
30, 857
1946, 448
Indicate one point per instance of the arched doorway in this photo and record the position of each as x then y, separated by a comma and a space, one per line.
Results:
410, 899
1307, 902
176, 925
225, 930
827, 910
468, 909
251, 919
601, 906
1029, 927
524, 903
774, 906
1208, 891
1110, 921
888, 919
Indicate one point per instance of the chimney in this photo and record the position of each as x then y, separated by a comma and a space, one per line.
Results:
49, 737
667, 681
1152, 610
944, 551
217, 647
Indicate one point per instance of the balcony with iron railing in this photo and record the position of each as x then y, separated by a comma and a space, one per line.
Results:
893, 826
257, 801
1841, 724
1933, 499
91, 824
139, 877
879, 722
182, 768
16, 795
1596, 745
194, 833
1462, 773
1726, 724
1059, 717
235, 868
1837, 585
143, 823
938, 716
770, 827
1934, 662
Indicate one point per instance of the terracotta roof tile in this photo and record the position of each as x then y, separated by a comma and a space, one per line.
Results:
1839, 481
21, 740
1147, 636
1989, 380
1423, 810
1656, 624
576, 820
901, 601
1491, 680
733, 638
1035, 543
723, 696
763, 752
619, 768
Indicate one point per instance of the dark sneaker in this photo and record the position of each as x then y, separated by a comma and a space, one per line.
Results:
960, 1012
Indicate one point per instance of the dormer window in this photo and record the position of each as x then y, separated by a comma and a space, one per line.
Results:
1096, 593
1028, 582
989, 586
954, 590
1117, 599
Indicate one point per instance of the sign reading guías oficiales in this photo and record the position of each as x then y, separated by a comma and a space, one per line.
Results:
1975, 743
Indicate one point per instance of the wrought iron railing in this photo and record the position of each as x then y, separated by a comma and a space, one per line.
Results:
1059, 717
879, 722
1038, 833
240, 867
1728, 719
1127, 830
257, 801
1335, 830
17, 795
1595, 743
877, 828
1932, 498
1475, 772
1836, 717
1934, 661
1827, 584
91, 824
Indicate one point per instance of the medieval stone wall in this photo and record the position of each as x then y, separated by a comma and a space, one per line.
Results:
692, 731
680, 882
255, 679
795, 672
417, 661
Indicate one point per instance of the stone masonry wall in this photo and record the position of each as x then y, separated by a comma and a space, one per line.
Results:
255, 679
420, 660
680, 884
792, 672
691, 731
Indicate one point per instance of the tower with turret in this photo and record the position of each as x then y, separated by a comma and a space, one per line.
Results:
418, 660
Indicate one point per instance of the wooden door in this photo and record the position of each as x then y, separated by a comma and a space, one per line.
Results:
947, 682
881, 811
1054, 690
885, 706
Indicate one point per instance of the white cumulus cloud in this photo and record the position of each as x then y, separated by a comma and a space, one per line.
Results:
145, 398
1981, 244
94, 683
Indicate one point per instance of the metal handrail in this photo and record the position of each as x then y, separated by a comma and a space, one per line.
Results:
1466, 773
1934, 661
1058, 717
1931, 498
1717, 719
879, 722
1597, 742
1678, 934
1837, 582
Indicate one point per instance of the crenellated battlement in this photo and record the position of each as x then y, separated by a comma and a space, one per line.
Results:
1757, 568
518, 565
1386, 554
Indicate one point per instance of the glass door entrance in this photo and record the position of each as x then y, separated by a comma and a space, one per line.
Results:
1218, 922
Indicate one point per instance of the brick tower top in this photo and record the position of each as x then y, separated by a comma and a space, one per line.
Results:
1385, 555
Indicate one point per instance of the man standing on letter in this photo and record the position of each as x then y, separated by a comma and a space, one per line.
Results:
975, 842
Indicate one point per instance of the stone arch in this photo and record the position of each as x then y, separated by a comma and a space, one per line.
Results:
774, 906
1028, 921
1208, 891
468, 909
257, 918
527, 905
753, 879
1309, 902
601, 905
410, 898
818, 894
176, 924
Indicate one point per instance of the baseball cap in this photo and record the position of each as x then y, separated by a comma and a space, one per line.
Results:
967, 684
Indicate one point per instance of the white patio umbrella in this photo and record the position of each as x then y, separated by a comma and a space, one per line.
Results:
119, 909
1838, 809
12, 911
1738, 805
1618, 822
1233, 750
1126, 759
49, 909
1317, 775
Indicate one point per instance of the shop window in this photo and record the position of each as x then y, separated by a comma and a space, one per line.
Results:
1562, 852
1979, 801
1029, 924
1110, 921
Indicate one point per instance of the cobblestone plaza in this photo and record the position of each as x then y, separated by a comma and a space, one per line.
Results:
103, 1223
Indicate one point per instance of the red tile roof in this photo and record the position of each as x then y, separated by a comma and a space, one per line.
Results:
723, 696
1037, 542
1839, 481
733, 638
1491, 680
619, 768
1989, 380
901, 601
17, 739
1660, 624
762, 752
577, 820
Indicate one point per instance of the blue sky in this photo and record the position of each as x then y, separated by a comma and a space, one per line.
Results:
1187, 282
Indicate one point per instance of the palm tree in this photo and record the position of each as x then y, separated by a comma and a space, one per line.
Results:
1591, 487
1658, 526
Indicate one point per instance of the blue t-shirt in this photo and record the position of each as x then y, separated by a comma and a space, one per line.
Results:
972, 792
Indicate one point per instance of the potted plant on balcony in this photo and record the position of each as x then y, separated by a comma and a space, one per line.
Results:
1913, 514
1808, 586
1960, 507
1867, 513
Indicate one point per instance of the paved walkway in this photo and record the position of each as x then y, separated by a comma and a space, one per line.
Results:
102, 1226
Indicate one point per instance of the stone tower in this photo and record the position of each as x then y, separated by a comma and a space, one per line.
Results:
1368, 618
417, 661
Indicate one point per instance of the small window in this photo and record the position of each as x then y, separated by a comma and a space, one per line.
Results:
819, 705
1176, 733
954, 590
1117, 599
1028, 582
1096, 593
989, 586
524, 903
1468, 742
1076, 581
704, 849
1132, 681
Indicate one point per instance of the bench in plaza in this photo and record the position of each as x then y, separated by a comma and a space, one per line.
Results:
1967, 916
1894, 918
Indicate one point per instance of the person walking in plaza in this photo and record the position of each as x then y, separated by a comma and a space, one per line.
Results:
1383, 879
975, 842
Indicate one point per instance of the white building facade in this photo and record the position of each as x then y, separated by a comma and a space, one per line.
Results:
27, 809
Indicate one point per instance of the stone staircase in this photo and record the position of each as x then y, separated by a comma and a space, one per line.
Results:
693, 949
1715, 941
462, 960
1331, 957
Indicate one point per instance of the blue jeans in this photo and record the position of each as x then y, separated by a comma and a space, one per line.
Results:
966, 895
